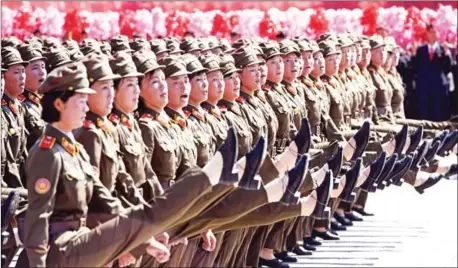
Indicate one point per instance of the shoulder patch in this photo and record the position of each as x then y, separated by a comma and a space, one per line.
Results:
371, 69
114, 119
146, 117
47, 142
222, 108
240, 99
4, 102
266, 87
21, 98
88, 124
186, 113
42, 186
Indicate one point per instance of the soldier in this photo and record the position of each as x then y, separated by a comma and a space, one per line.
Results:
35, 74
120, 43
97, 137
65, 90
190, 46
159, 48
127, 131
56, 59
13, 118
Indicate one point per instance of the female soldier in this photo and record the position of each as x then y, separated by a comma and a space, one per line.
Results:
54, 230
35, 74
127, 131
12, 111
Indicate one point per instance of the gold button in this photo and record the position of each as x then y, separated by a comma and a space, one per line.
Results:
70, 88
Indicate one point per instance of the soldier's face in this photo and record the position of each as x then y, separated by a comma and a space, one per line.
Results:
251, 77
291, 71
154, 90
318, 64
101, 102
232, 86
215, 85
206, 52
15, 80
275, 69
217, 51
73, 112
359, 52
35, 74
389, 61
396, 56
195, 53
308, 62
432, 35
127, 94
179, 89
353, 56
199, 88
378, 55
331, 65
346, 57
365, 56
263, 70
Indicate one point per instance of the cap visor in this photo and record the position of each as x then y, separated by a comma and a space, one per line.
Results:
275, 54
214, 69
18, 62
110, 77
134, 74
37, 58
85, 91
377, 46
231, 71
179, 73
154, 68
229, 51
199, 70
332, 53
254, 63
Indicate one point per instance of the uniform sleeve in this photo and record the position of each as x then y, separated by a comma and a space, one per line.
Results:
43, 172
92, 144
148, 138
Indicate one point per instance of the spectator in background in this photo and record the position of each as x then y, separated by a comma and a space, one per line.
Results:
454, 93
432, 64
405, 69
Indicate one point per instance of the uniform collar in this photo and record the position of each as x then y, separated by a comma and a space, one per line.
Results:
197, 112
176, 117
67, 141
12, 104
248, 98
229, 105
148, 113
32, 96
117, 116
98, 121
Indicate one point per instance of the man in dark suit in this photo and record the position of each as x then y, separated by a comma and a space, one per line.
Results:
405, 69
454, 93
432, 64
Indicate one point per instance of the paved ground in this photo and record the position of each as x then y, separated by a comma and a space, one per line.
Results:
408, 230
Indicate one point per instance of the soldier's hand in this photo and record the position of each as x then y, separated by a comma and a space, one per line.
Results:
209, 240
183, 241
126, 260
163, 238
158, 250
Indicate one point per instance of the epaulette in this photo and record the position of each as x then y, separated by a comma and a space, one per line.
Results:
291, 89
47, 142
4, 102
307, 82
240, 99
186, 113
222, 108
125, 120
371, 69
114, 119
198, 115
146, 117
21, 98
69, 147
88, 124
266, 87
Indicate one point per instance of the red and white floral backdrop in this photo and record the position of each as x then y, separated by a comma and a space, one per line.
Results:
406, 21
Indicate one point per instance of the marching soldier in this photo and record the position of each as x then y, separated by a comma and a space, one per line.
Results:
13, 118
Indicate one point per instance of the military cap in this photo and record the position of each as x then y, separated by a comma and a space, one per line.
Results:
89, 45
326, 36
146, 61
329, 48
56, 59
344, 41
246, 58
76, 55
226, 46
98, 68
211, 63
11, 41
203, 45
376, 41
189, 45
174, 67
315, 47
192, 63
105, 48
119, 43
51, 42
271, 51
174, 47
304, 45
33, 39
213, 43
123, 65
139, 35
227, 65
259, 51
139, 44
241, 42
10, 56
3, 69
365, 44
390, 43
30, 53
158, 46
288, 46
71, 77
70, 45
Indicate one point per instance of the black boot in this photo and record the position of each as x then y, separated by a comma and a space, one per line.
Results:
229, 152
415, 140
301, 251
350, 181
376, 169
323, 193
325, 235
253, 163
352, 217
303, 138
362, 212
275, 263
335, 162
401, 138
421, 152
389, 165
284, 257
452, 171
449, 141
430, 182
361, 138
342, 220
9, 207
310, 240
432, 151
336, 226
296, 177
406, 164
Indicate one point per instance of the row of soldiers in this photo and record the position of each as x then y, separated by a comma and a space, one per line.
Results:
283, 140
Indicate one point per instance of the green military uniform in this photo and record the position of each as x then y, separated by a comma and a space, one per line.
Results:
14, 125
54, 229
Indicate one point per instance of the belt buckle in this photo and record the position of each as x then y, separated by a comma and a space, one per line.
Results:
171, 182
82, 222
318, 131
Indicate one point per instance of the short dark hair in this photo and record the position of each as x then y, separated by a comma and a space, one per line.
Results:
191, 76
50, 114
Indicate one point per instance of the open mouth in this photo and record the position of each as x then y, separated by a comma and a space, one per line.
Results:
184, 96
41, 80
